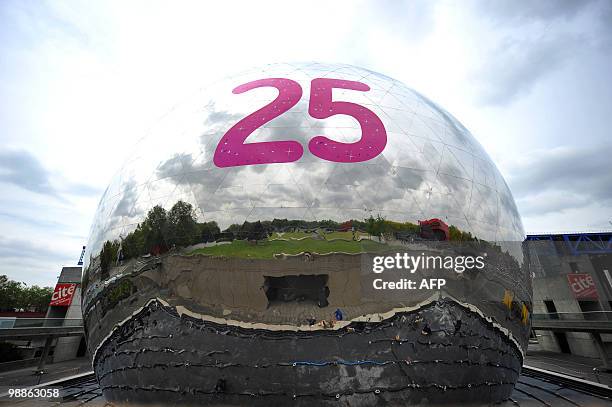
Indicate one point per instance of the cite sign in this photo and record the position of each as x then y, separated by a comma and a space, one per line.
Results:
62, 295
582, 285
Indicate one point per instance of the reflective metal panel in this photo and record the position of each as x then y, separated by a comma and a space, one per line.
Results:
234, 257
431, 166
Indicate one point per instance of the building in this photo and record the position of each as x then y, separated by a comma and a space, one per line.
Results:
65, 310
572, 281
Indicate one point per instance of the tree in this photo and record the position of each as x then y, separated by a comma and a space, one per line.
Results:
108, 256
376, 226
329, 224
208, 231
154, 229
234, 229
15, 295
257, 232
38, 298
182, 229
455, 233
11, 295
405, 227
279, 224
134, 243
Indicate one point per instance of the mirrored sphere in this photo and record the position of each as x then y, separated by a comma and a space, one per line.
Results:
431, 166
285, 171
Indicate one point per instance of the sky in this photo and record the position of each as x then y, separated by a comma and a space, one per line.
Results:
82, 81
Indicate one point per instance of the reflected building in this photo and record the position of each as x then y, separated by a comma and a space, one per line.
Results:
572, 281
235, 271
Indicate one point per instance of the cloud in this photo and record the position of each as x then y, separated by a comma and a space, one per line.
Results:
29, 220
128, 200
590, 218
413, 20
551, 202
21, 168
24, 170
41, 272
561, 179
514, 11
536, 39
604, 25
26, 249
80, 189
515, 66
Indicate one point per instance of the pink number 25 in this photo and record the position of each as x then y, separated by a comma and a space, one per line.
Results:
373, 134
233, 151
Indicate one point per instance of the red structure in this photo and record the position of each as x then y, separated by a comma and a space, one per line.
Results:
434, 229
346, 226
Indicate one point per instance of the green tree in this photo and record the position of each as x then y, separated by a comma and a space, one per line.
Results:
458, 235
257, 232
375, 226
11, 294
245, 230
279, 224
182, 228
133, 244
108, 256
17, 295
38, 298
154, 230
208, 231
234, 228
401, 227
328, 224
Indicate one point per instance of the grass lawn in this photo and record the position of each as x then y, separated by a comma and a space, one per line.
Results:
267, 248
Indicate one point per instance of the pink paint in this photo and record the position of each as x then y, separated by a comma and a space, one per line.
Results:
232, 150
373, 134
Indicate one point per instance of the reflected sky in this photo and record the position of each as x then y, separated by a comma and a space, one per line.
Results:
431, 165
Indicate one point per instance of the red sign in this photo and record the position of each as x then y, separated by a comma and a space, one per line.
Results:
62, 295
582, 285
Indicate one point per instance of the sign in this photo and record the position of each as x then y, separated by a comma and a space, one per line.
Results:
62, 295
582, 285
80, 263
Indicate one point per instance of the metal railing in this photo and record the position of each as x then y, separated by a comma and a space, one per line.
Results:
12, 322
574, 316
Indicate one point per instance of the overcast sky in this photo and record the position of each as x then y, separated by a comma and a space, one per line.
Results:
80, 83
